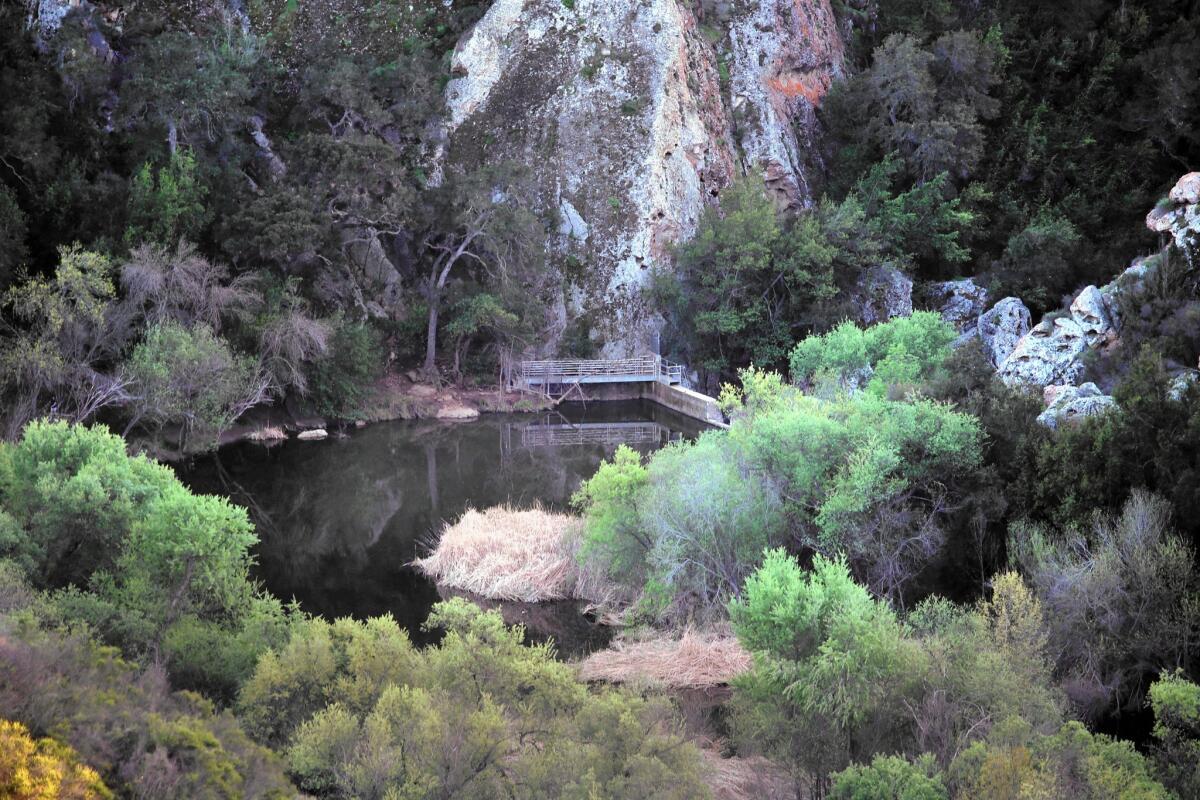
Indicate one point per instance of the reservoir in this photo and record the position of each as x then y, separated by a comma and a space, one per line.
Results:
340, 520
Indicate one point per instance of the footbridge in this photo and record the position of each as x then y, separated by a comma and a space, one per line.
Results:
649, 377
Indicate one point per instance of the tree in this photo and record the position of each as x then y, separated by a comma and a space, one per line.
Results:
342, 377
750, 280
166, 205
476, 219
862, 475
130, 550
1036, 261
190, 86
926, 103
52, 358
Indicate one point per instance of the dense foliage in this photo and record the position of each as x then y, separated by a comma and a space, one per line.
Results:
209, 206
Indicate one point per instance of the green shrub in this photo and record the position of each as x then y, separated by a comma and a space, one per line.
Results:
890, 778
141, 558
342, 379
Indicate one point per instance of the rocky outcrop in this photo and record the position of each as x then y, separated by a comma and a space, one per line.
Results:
1070, 403
630, 122
882, 293
1178, 216
1096, 315
959, 302
1002, 327
1047, 354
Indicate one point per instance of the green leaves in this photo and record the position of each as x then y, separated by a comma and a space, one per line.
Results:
166, 205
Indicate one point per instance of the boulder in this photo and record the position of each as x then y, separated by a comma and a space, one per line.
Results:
882, 293
1050, 353
1002, 327
1069, 403
1186, 189
1091, 310
960, 302
313, 435
457, 412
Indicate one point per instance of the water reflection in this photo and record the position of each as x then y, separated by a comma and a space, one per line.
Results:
340, 519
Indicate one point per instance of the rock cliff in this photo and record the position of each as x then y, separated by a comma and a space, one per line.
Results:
631, 117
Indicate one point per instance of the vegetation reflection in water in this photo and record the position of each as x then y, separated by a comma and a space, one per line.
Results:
340, 520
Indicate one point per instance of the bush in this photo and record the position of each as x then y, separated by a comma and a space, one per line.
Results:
681, 532
1017, 761
31, 770
190, 378
1122, 603
1176, 704
145, 740
861, 475
890, 778
341, 379
832, 668
904, 352
132, 551
478, 715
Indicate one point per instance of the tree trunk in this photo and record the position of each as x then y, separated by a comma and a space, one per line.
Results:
431, 334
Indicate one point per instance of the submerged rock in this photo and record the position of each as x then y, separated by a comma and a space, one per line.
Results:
1002, 327
1047, 354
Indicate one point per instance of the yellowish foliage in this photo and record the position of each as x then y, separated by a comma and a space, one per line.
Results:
43, 769
1015, 621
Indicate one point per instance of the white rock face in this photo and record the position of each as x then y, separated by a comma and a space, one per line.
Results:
882, 293
784, 56
960, 302
1047, 354
1090, 310
46, 16
1180, 217
1002, 327
1186, 189
616, 108
1070, 403
316, 434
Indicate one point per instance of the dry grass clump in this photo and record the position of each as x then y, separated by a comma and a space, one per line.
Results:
753, 778
270, 433
693, 661
506, 553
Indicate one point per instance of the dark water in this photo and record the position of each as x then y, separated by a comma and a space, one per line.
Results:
340, 519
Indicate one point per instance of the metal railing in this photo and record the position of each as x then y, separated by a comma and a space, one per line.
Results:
563, 371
